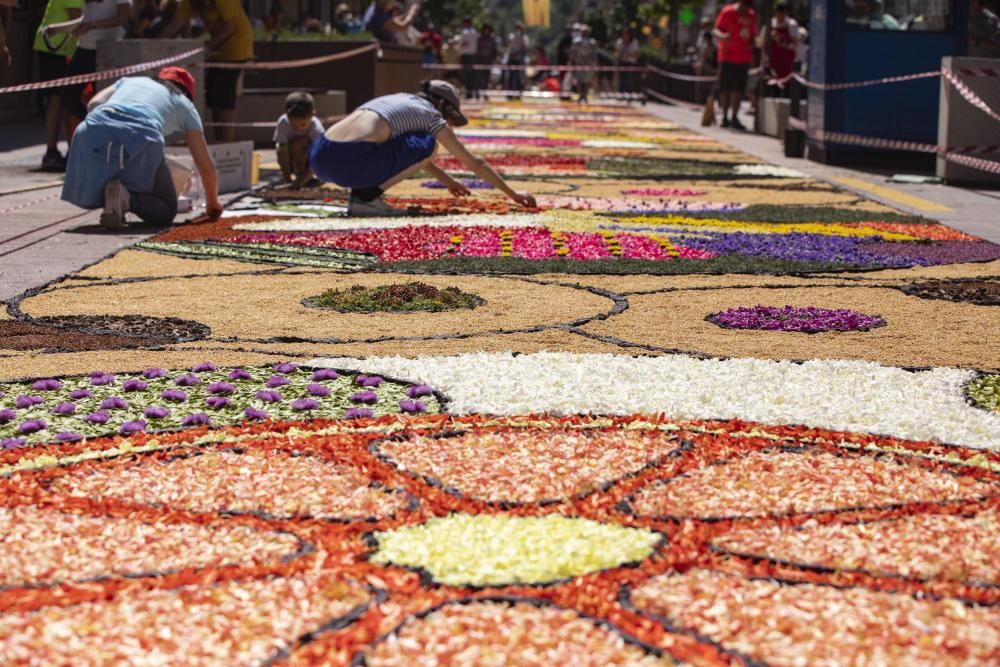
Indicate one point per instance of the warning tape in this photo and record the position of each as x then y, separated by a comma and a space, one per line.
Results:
969, 95
100, 76
543, 68
27, 204
671, 100
290, 64
681, 77
947, 153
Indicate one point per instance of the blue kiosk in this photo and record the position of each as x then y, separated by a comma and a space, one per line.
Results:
856, 40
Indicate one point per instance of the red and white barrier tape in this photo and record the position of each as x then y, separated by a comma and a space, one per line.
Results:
989, 72
100, 76
947, 153
543, 68
969, 95
27, 204
290, 64
671, 100
991, 166
852, 84
680, 77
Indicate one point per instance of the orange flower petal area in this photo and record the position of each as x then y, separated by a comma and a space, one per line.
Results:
497, 633
930, 232
47, 546
907, 547
236, 623
248, 485
821, 625
277, 484
790, 482
511, 467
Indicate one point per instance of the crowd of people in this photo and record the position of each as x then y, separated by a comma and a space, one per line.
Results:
479, 59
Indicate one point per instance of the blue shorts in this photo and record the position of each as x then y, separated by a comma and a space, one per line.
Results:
366, 164
111, 144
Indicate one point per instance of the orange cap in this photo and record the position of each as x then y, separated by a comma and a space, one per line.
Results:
181, 77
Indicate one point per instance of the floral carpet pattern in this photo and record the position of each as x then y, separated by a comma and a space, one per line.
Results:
675, 423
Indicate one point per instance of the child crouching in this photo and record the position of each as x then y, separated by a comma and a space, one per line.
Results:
294, 132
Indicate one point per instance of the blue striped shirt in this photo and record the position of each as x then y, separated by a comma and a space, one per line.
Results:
407, 113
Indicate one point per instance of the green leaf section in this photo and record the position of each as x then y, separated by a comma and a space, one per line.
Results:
985, 392
396, 298
264, 253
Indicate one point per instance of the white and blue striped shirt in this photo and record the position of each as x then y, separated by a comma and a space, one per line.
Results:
407, 113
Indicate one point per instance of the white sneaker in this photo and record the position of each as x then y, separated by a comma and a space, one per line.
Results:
376, 208
115, 206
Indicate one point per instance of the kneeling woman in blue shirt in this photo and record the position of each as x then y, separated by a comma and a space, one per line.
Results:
117, 161
393, 137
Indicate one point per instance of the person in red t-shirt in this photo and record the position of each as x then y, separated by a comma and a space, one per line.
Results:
735, 28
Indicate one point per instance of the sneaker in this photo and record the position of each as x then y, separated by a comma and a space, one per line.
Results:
737, 125
115, 206
725, 122
53, 160
376, 208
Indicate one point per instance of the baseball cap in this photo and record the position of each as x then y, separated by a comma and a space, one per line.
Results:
449, 94
181, 77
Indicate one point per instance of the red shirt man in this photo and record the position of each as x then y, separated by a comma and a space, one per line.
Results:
735, 29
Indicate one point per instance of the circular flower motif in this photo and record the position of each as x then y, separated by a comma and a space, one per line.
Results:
794, 319
488, 550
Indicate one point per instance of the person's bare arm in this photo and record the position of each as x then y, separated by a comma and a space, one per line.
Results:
100, 98
481, 167
454, 187
206, 169
402, 23
285, 162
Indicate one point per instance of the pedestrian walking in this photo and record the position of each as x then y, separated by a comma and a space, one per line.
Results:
735, 29
390, 138
783, 43
486, 56
230, 41
626, 56
116, 160
517, 55
468, 45
53, 55
583, 54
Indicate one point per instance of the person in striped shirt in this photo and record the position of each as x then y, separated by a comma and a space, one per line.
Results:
391, 138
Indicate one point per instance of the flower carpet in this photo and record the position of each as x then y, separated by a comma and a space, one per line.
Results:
694, 409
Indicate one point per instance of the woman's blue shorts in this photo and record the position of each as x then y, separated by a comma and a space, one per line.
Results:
366, 164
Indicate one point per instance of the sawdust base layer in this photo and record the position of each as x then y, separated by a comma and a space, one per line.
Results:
918, 332
266, 307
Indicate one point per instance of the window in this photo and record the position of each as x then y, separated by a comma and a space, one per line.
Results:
917, 15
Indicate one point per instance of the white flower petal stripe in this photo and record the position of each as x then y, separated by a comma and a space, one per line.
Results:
854, 396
